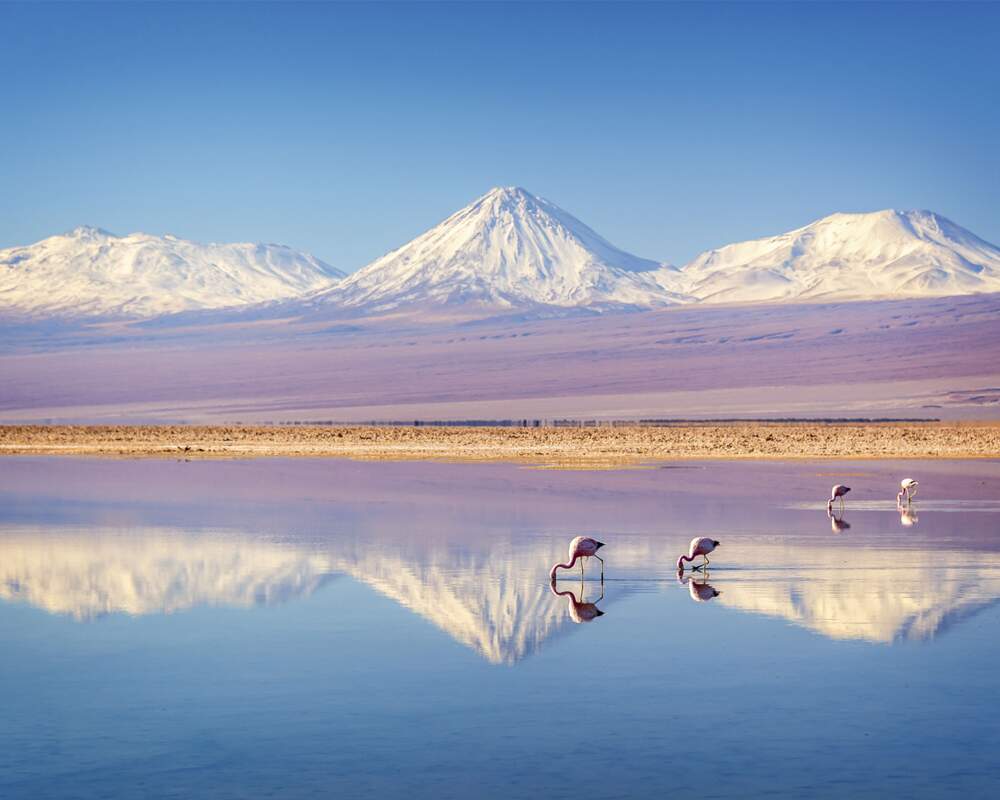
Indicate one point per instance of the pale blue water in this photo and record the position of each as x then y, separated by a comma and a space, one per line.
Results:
303, 629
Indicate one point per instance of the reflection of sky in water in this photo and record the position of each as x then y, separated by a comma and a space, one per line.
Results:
302, 629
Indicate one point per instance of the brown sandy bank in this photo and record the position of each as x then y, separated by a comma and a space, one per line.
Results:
564, 447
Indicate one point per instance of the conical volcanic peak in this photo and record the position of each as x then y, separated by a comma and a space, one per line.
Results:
507, 249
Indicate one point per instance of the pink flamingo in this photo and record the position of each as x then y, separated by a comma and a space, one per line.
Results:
837, 491
700, 546
580, 547
907, 489
580, 610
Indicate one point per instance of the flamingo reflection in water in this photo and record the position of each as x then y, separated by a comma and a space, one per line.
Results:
579, 609
837, 524
701, 591
907, 515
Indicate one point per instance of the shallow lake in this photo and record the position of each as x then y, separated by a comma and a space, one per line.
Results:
296, 628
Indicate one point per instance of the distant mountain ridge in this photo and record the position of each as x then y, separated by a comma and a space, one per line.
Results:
510, 250
93, 273
507, 252
848, 257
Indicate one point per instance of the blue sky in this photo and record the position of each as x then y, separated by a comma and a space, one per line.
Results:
346, 130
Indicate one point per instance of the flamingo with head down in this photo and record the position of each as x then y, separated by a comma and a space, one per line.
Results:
700, 546
836, 492
907, 489
580, 548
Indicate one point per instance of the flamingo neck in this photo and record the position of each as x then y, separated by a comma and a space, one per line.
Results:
552, 574
682, 559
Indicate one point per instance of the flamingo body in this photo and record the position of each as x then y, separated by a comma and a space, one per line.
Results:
700, 546
837, 492
907, 488
580, 547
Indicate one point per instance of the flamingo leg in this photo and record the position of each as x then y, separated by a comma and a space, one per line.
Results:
581, 567
707, 562
602, 566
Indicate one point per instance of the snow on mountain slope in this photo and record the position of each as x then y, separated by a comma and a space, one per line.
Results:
90, 272
847, 257
508, 249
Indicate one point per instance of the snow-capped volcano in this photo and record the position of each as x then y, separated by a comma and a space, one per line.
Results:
90, 272
847, 257
508, 249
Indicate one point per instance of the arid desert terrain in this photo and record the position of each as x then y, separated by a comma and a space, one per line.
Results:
937, 358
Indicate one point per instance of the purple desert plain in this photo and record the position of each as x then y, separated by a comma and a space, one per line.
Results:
509, 308
936, 357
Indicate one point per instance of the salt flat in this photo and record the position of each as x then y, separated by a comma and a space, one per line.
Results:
927, 358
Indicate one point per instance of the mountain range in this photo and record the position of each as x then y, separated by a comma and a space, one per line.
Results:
93, 273
509, 251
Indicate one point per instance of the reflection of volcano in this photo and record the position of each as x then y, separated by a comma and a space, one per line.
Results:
498, 606
88, 576
494, 600
493, 595
874, 594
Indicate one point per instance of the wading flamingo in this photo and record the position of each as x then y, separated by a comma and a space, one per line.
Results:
907, 488
837, 491
580, 610
700, 546
581, 547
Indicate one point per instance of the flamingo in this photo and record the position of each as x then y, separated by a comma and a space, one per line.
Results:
580, 610
907, 487
700, 546
580, 547
838, 491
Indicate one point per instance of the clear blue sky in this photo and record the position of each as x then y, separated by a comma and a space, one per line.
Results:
346, 130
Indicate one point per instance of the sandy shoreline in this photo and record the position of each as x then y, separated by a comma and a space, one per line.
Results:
562, 447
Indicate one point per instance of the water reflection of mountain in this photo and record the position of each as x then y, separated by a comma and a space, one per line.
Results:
873, 594
495, 602
88, 575
492, 596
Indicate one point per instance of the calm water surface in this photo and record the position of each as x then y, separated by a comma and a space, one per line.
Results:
322, 628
